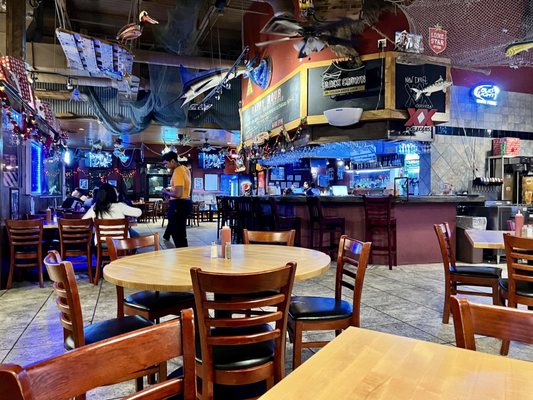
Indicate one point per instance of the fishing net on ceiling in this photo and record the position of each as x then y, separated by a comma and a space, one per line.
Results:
162, 103
479, 31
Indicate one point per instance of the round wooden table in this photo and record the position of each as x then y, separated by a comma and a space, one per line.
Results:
168, 270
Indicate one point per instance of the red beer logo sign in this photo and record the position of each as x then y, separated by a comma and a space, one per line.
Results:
437, 39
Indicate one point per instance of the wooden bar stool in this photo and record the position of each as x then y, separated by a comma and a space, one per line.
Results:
334, 226
380, 222
283, 223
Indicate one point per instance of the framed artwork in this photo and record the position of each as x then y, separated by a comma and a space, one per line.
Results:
211, 182
198, 184
112, 182
84, 184
297, 178
289, 177
14, 203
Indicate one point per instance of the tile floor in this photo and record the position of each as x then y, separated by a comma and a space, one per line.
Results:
406, 301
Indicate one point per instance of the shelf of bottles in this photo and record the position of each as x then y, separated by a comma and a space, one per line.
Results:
381, 161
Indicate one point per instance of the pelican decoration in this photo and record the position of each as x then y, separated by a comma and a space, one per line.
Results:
134, 30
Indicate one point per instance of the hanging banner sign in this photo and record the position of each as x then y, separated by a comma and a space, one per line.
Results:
437, 39
340, 80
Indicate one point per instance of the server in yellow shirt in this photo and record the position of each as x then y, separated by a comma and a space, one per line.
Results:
180, 205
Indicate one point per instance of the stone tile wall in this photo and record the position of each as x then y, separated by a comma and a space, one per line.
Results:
457, 160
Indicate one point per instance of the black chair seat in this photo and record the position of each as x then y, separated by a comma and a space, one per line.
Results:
110, 328
318, 308
233, 392
241, 356
489, 272
522, 288
148, 300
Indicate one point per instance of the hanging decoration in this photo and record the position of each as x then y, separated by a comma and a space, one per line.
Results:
129, 174
119, 151
437, 39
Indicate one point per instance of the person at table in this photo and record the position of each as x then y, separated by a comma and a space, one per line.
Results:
180, 204
75, 200
107, 206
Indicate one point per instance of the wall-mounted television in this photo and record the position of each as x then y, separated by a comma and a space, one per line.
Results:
102, 159
210, 160
277, 173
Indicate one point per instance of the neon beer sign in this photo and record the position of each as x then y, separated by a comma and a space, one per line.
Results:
486, 94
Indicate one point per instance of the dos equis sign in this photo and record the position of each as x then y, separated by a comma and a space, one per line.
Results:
342, 78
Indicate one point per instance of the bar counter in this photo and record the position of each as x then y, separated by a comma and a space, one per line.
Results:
415, 217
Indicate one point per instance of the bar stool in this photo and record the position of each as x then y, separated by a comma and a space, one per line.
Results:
321, 224
285, 223
379, 222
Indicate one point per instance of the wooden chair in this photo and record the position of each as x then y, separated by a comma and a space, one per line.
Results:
471, 319
242, 350
379, 222
195, 215
149, 304
310, 313
75, 238
114, 228
107, 362
259, 237
163, 211
26, 247
150, 211
518, 288
321, 224
455, 275
70, 315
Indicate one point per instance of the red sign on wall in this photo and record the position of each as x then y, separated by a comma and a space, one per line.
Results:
437, 39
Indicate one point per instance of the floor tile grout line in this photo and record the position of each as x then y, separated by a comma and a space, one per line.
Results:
28, 325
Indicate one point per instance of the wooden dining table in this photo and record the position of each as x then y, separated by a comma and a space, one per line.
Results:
484, 239
370, 365
168, 270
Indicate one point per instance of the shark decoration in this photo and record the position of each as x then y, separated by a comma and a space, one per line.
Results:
439, 84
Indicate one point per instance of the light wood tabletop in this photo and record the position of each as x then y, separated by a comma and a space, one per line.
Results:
483, 239
168, 270
363, 364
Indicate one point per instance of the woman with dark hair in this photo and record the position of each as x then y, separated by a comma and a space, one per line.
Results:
107, 206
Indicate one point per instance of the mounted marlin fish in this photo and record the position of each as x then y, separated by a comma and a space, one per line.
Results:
439, 84
194, 84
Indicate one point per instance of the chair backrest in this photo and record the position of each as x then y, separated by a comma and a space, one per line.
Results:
519, 255
25, 233
121, 247
150, 207
378, 208
115, 228
268, 237
107, 362
352, 260
315, 208
471, 319
242, 293
67, 296
75, 231
445, 243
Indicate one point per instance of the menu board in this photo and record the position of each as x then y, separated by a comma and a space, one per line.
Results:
280, 106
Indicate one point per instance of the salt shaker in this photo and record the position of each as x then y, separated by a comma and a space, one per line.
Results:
214, 250
228, 251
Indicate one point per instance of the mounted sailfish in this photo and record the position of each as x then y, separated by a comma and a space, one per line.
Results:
134, 30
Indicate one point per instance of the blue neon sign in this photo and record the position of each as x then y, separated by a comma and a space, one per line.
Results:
486, 94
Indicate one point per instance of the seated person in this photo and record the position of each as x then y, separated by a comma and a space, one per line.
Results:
75, 200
